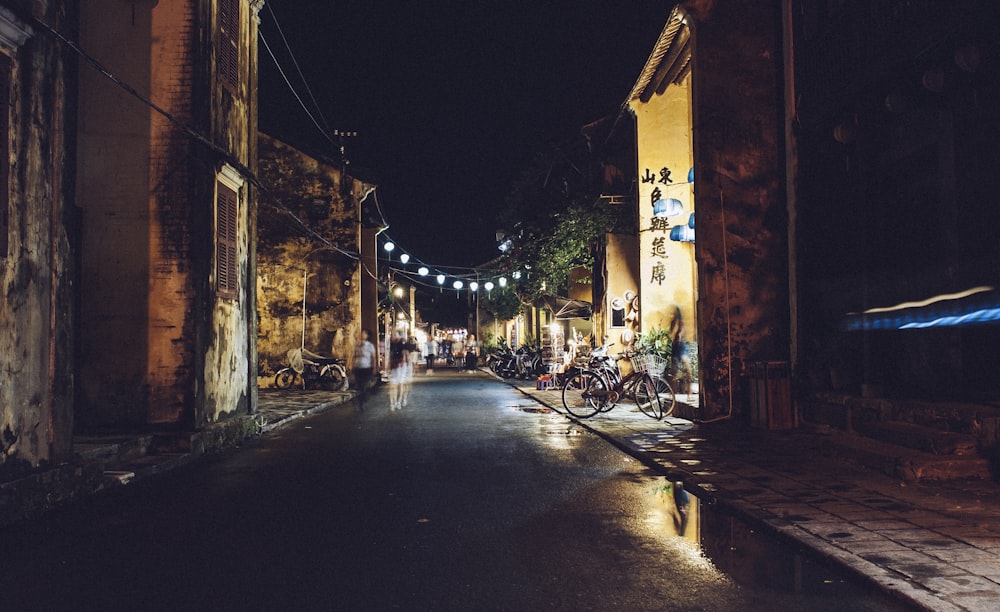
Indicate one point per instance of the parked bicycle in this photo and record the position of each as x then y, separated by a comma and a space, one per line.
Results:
591, 390
311, 367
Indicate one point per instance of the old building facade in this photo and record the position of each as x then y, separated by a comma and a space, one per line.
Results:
311, 280
167, 304
127, 220
36, 240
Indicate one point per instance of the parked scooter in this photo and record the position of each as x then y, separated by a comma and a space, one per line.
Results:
312, 367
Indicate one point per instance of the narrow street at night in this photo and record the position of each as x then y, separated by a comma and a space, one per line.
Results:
472, 497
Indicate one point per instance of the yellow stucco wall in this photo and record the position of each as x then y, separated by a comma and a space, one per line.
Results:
623, 284
668, 274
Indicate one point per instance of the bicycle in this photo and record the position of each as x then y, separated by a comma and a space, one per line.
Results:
589, 391
328, 371
657, 368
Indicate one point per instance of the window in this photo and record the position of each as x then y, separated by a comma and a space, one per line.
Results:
229, 36
226, 253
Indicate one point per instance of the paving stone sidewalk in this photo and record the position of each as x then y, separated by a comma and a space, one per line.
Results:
933, 545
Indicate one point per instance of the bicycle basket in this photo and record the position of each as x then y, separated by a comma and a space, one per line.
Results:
649, 363
295, 360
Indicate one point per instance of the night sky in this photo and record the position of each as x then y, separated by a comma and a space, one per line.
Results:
450, 98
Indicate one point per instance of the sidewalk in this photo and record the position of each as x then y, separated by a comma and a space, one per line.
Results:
104, 462
935, 545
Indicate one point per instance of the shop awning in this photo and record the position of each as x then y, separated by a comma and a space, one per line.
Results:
565, 308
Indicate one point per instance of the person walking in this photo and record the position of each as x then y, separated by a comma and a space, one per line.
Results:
471, 353
411, 359
431, 347
364, 366
398, 366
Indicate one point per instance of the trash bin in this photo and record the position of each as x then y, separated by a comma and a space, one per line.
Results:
771, 405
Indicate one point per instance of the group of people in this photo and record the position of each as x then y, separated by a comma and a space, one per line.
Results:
404, 353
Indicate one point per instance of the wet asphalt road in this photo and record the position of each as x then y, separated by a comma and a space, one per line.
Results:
468, 498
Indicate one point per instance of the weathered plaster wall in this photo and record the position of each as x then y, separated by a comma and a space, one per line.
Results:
36, 383
742, 224
291, 265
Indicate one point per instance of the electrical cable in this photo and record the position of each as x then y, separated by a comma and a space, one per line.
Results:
319, 111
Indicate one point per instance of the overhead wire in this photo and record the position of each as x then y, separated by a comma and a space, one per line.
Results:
298, 68
267, 196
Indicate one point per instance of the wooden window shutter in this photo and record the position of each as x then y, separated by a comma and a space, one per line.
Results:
226, 259
229, 36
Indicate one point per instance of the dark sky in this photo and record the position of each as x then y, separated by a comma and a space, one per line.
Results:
449, 98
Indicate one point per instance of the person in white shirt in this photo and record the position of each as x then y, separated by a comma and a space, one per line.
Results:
364, 366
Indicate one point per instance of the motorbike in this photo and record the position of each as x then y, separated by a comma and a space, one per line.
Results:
329, 372
528, 362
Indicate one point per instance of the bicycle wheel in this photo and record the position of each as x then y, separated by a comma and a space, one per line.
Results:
284, 378
666, 394
646, 397
333, 377
584, 394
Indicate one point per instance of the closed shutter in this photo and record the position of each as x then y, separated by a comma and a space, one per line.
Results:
227, 263
229, 35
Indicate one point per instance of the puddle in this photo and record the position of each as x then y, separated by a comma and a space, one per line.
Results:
756, 559
533, 408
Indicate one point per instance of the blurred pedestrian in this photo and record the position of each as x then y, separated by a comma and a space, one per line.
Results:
412, 356
431, 348
364, 366
471, 353
398, 360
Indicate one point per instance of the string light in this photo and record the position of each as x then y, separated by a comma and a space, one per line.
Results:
461, 279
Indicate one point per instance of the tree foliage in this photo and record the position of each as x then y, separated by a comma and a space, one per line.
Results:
501, 304
555, 221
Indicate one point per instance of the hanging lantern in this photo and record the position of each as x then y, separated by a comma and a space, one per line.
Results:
503, 281
457, 284
388, 246
473, 286
488, 286
681, 233
405, 258
670, 207
423, 271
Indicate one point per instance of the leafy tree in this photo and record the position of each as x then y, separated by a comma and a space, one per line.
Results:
557, 221
502, 305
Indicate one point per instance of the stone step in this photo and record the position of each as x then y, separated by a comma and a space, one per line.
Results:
906, 463
112, 447
918, 437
